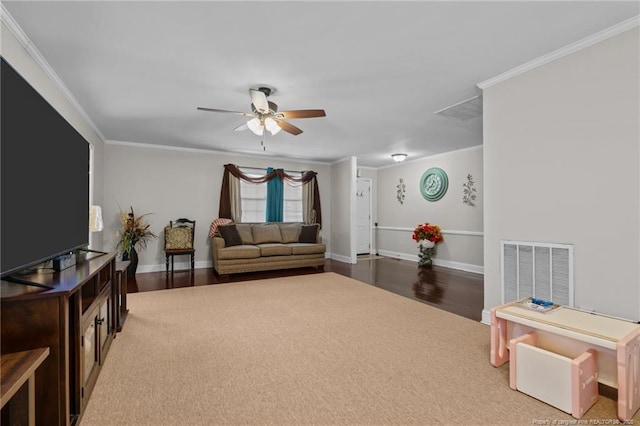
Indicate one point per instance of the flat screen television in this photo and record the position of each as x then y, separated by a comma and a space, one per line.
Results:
44, 178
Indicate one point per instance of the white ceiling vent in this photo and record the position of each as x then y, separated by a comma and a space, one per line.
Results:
465, 110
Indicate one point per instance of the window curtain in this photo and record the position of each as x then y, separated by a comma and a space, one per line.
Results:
235, 199
275, 198
308, 213
312, 203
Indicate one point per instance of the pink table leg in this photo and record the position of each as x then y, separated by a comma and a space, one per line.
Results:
499, 352
628, 350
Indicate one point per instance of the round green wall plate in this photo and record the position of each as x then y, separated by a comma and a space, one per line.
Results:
434, 184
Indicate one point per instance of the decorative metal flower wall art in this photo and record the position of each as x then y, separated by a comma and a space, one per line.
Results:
401, 189
469, 192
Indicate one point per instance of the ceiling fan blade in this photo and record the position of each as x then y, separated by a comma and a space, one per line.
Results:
246, 114
287, 127
302, 113
241, 127
259, 101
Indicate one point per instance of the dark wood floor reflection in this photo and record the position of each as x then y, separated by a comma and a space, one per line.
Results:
452, 290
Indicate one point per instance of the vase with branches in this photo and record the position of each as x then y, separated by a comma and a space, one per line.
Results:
134, 233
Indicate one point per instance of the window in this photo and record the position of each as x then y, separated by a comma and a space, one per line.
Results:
254, 199
293, 201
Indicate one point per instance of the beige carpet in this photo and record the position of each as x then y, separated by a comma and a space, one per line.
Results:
312, 349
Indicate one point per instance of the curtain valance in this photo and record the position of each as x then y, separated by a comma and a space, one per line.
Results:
307, 178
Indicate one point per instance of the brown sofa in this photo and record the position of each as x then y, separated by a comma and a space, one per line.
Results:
251, 247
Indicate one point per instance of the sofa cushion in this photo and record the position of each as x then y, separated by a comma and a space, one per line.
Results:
239, 252
309, 233
267, 233
245, 232
230, 235
306, 248
274, 249
290, 232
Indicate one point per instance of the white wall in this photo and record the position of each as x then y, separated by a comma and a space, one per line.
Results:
21, 55
462, 224
174, 183
343, 190
562, 164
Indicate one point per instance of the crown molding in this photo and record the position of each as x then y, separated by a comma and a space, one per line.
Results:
32, 50
211, 151
613, 31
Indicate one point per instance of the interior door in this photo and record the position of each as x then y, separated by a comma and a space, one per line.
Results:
363, 216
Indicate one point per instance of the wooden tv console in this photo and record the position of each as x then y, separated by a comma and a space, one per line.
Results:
570, 332
76, 320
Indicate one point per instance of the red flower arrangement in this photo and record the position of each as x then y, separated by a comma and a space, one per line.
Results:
427, 231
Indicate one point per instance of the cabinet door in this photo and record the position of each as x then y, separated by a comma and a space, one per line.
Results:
90, 348
104, 320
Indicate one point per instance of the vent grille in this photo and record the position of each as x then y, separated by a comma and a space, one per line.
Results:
541, 270
465, 110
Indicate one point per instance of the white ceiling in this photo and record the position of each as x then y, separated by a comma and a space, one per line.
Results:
379, 69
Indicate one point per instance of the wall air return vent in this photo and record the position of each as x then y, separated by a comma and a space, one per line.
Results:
465, 110
541, 270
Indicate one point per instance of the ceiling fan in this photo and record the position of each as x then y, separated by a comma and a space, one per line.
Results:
265, 115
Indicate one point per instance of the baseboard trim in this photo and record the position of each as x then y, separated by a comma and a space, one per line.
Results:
486, 317
177, 266
396, 255
340, 258
477, 269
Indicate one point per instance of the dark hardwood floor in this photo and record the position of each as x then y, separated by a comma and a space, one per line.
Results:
450, 289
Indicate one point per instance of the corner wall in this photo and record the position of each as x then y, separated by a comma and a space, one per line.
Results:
343, 190
462, 224
562, 164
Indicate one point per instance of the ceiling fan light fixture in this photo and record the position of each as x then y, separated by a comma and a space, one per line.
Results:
271, 125
255, 126
398, 157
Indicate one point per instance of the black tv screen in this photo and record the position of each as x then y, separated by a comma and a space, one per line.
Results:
44, 210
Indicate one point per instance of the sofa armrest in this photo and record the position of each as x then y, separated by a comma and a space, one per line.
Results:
218, 243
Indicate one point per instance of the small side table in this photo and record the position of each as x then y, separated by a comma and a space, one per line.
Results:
17, 369
120, 297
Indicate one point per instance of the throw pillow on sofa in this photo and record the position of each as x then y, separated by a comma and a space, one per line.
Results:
309, 234
244, 229
230, 235
267, 233
290, 232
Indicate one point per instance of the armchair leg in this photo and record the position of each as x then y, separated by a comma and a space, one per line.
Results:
192, 262
167, 263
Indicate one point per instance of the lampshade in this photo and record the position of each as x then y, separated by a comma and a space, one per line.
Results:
255, 126
95, 219
271, 125
398, 157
